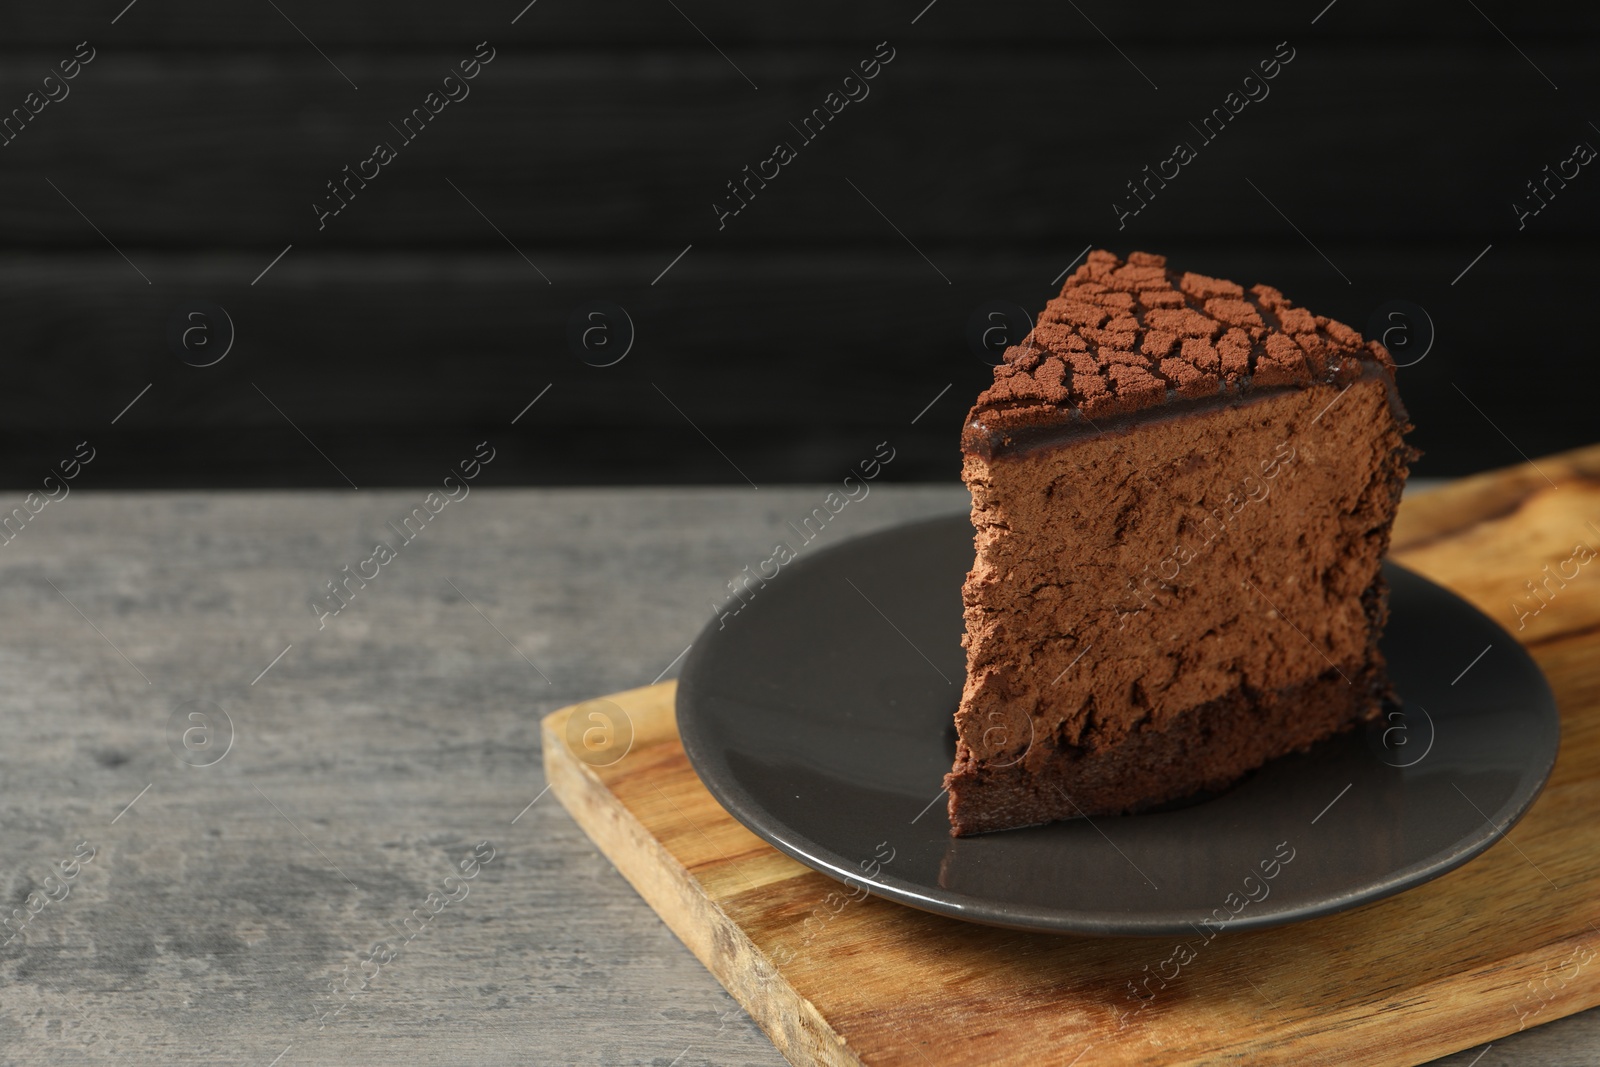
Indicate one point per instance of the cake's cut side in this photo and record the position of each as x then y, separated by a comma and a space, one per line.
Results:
1170, 592
1205, 749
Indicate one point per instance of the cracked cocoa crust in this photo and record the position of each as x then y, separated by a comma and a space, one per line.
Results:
1126, 337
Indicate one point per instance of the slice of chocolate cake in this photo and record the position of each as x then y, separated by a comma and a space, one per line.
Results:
1181, 492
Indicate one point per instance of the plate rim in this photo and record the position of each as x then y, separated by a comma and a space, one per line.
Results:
980, 910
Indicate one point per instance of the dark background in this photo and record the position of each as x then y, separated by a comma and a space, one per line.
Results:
810, 328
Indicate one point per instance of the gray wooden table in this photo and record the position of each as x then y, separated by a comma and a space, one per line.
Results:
216, 802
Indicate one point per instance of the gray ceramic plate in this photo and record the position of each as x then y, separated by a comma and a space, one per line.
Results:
821, 716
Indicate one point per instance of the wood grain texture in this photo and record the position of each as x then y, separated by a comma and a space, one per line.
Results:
1506, 941
1505, 539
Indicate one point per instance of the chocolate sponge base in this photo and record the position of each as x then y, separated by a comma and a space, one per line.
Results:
1207, 748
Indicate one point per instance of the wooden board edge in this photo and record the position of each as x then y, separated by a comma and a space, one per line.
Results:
794, 1025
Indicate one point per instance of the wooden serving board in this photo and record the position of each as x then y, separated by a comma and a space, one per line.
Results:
1510, 940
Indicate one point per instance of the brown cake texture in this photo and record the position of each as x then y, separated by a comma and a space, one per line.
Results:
1181, 491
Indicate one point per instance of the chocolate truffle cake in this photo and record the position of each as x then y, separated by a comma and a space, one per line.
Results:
1181, 492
